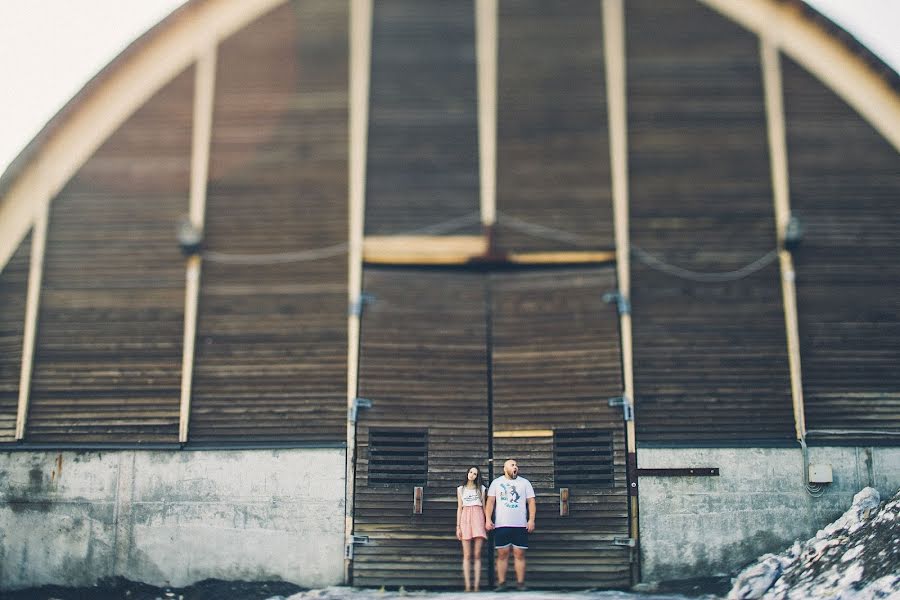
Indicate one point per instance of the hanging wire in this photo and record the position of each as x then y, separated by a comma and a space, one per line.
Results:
655, 263
533, 229
641, 254
542, 231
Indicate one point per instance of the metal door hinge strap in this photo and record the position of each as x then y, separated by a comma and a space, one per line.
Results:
688, 472
353, 540
625, 403
622, 303
356, 307
358, 403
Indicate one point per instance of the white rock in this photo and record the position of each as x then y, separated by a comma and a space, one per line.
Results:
753, 582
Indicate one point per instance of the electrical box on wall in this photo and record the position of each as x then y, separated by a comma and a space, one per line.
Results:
820, 473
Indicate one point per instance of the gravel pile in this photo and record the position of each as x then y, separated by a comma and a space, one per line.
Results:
855, 558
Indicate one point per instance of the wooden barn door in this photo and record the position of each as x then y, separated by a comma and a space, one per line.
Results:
463, 366
423, 364
555, 362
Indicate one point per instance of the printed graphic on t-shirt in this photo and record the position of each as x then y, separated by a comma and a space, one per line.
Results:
509, 495
471, 497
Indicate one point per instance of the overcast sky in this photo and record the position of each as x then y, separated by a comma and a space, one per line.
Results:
51, 48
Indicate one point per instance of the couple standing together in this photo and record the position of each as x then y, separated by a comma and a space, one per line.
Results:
513, 498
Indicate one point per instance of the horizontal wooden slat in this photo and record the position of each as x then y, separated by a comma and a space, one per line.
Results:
271, 342
13, 296
552, 135
422, 167
845, 185
112, 300
710, 360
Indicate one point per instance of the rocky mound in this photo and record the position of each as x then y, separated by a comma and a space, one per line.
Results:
855, 558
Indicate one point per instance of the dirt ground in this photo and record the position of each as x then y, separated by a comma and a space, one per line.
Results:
215, 589
122, 589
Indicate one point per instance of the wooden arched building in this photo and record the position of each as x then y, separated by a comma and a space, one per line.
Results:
646, 248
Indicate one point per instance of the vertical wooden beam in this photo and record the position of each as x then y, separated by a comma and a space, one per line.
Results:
32, 306
771, 72
360, 71
204, 93
486, 52
616, 98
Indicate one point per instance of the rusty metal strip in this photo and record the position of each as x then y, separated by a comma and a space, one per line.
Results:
684, 472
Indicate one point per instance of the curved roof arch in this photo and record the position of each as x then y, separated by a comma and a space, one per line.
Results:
180, 40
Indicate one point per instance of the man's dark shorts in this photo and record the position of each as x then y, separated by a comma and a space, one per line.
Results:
504, 537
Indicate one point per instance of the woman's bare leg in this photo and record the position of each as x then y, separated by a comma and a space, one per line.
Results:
476, 562
466, 552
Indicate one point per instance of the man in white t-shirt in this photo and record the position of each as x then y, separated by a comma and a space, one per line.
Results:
510, 494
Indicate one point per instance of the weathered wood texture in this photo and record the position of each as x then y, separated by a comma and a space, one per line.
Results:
13, 295
845, 189
272, 337
552, 137
423, 131
107, 362
423, 363
709, 358
555, 363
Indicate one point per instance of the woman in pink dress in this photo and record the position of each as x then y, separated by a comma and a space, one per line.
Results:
470, 525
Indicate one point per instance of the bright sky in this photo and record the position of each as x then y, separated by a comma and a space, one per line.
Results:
68, 41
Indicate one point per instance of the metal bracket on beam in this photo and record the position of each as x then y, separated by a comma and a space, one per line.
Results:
622, 303
358, 403
353, 540
356, 308
625, 403
623, 541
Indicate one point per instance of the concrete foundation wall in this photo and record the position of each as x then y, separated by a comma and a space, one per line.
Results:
703, 526
171, 517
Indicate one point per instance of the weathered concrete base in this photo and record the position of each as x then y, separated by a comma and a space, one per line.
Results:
702, 526
171, 518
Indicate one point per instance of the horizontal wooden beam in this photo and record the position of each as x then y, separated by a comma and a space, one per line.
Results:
524, 433
556, 258
464, 249
423, 249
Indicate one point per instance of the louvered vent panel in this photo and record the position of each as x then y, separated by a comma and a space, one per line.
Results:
584, 458
398, 457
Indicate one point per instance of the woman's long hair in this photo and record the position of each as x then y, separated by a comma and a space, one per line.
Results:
478, 483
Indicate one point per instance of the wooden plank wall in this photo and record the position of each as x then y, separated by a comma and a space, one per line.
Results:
423, 130
107, 364
845, 189
13, 294
272, 337
710, 360
552, 136
555, 364
423, 363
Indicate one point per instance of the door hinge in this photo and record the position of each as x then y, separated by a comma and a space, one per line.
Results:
622, 303
356, 307
627, 406
354, 539
358, 403
625, 541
